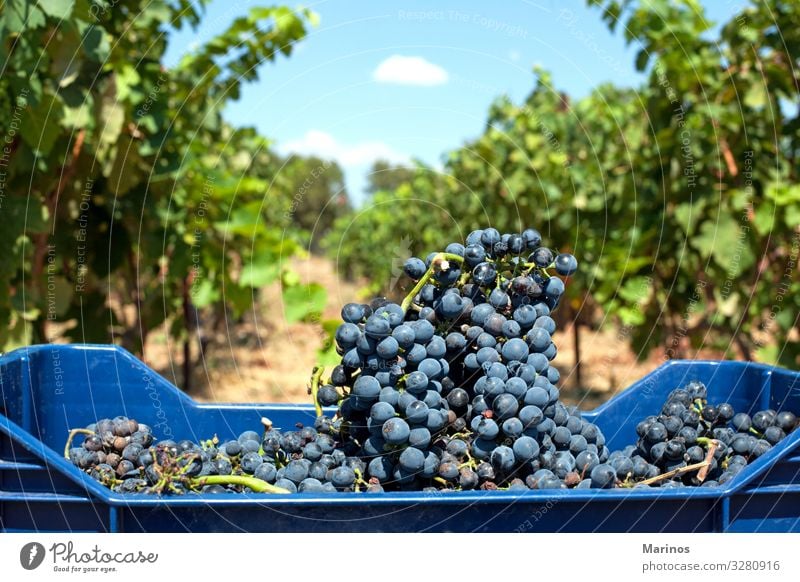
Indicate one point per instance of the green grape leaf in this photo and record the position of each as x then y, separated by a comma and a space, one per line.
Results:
327, 354
204, 293
259, 274
57, 8
303, 302
727, 241
41, 123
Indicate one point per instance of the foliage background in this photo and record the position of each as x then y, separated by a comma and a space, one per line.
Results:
129, 205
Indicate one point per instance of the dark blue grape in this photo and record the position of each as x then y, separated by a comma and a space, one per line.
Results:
352, 359
566, 264
347, 335
542, 257
451, 306
436, 348
502, 458
538, 339
396, 431
525, 316
537, 397
387, 348
532, 238
499, 299
490, 237
505, 406
380, 412
516, 387
404, 335
526, 448
343, 477
515, 349
484, 274
474, 255
486, 428
423, 331
512, 427
487, 354
603, 476
785, 420
415, 268
412, 459
761, 420
354, 312
327, 395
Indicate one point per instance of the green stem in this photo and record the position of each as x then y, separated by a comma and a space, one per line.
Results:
359, 480
705, 441
427, 276
316, 375
252, 483
72, 433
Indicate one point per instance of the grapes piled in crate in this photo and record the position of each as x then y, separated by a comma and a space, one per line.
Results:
451, 389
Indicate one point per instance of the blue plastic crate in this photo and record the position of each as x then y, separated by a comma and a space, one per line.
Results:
49, 389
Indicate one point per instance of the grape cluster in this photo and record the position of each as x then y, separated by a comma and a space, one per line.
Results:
122, 454
454, 387
451, 389
689, 431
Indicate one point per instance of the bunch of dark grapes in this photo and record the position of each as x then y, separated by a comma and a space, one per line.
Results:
122, 454
690, 431
452, 389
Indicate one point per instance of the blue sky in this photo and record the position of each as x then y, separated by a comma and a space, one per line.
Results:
403, 80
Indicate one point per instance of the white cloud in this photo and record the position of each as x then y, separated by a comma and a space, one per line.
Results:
324, 145
514, 55
400, 70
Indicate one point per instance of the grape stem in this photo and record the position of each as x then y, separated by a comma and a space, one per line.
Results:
712, 448
701, 467
252, 483
72, 434
316, 375
436, 265
674, 472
